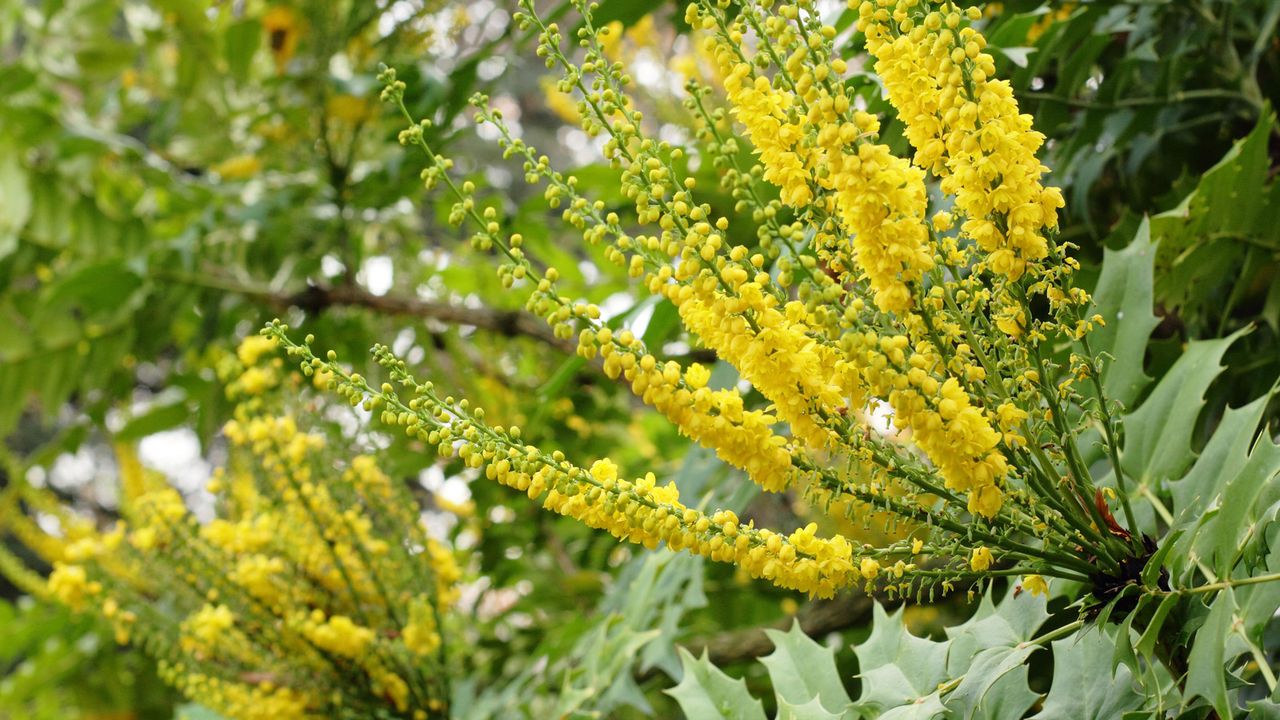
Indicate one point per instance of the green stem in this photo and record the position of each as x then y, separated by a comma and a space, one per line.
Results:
1113, 447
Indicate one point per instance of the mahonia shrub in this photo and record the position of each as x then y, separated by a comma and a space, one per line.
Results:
316, 591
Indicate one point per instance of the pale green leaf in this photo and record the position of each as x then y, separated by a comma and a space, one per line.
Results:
995, 684
1013, 621
1008, 697
1202, 237
896, 667
1084, 688
803, 670
1206, 672
1197, 496
705, 693
1123, 297
15, 199
1158, 435
812, 710
923, 708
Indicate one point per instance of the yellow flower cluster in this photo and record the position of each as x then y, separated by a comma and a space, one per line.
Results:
242, 701
716, 419
766, 116
203, 631
644, 513
879, 198
955, 435
71, 585
637, 511
694, 240
965, 125
301, 599
421, 634
337, 634
804, 378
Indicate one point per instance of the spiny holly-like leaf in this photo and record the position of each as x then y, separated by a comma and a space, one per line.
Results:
812, 710
1008, 697
995, 685
989, 651
1015, 620
1264, 710
897, 668
1197, 495
706, 692
1084, 688
925, 708
1224, 537
1206, 672
1124, 298
1157, 445
1202, 238
803, 671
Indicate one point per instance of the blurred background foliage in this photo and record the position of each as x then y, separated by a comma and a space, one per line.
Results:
175, 173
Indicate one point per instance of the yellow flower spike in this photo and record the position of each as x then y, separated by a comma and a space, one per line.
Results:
966, 129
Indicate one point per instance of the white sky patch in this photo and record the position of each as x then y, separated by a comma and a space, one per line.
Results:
498, 177
676, 347
377, 274
880, 418
340, 66
616, 304
49, 524
37, 476
649, 73
176, 453
438, 524
431, 478
73, 470
490, 68
673, 134
331, 266
404, 341
501, 514
639, 322
487, 131
583, 149
455, 490
590, 273
396, 14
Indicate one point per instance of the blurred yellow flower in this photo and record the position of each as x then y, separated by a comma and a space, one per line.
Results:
283, 29
348, 108
239, 167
